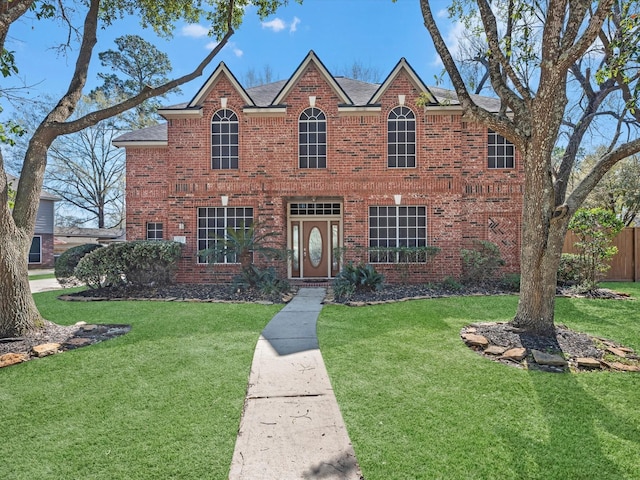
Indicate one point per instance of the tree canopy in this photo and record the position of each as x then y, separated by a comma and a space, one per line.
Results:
565, 71
17, 225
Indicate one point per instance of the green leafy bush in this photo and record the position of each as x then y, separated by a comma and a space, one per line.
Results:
354, 278
480, 265
138, 263
570, 270
511, 282
595, 228
451, 284
68, 260
263, 279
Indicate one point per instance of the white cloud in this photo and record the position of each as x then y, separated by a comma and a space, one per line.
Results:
276, 24
236, 51
195, 30
294, 25
452, 37
211, 45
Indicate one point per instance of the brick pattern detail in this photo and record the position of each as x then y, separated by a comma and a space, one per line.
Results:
167, 184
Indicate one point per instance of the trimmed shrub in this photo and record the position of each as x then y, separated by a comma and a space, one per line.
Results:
138, 263
511, 282
570, 270
68, 261
480, 265
354, 278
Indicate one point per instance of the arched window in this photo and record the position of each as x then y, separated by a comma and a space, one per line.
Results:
312, 139
224, 140
401, 138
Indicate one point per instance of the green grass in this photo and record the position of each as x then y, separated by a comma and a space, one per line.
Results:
418, 404
42, 276
163, 401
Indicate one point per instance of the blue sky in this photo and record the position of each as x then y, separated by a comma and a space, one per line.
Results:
375, 33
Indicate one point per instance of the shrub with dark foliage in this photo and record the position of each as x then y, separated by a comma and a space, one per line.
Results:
138, 263
68, 261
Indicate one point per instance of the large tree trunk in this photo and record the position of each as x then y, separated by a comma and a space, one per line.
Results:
18, 312
543, 230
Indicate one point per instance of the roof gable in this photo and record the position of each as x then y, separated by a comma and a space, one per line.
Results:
204, 91
312, 58
402, 67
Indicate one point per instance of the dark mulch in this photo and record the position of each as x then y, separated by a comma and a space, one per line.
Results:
178, 292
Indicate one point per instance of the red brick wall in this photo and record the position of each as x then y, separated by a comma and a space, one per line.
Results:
465, 200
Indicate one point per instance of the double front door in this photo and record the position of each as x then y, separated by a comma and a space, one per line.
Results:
315, 248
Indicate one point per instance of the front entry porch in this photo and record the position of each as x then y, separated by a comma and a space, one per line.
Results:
314, 238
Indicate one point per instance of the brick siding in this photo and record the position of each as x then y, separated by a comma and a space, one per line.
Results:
464, 199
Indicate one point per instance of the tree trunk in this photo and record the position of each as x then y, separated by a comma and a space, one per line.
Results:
18, 312
543, 230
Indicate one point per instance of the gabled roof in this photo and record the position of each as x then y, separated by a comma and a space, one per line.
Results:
356, 95
311, 58
402, 66
222, 69
44, 195
194, 107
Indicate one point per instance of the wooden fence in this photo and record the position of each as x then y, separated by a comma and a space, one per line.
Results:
625, 265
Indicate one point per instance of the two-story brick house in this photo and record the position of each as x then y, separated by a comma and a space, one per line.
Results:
331, 164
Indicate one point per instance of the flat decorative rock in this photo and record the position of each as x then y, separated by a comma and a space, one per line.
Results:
623, 367
617, 351
543, 358
12, 358
76, 342
46, 349
475, 340
495, 350
515, 354
588, 362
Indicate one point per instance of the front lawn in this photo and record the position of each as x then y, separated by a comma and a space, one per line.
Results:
163, 401
419, 404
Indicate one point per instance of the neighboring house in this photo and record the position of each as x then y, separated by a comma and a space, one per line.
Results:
41, 251
68, 237
343, 170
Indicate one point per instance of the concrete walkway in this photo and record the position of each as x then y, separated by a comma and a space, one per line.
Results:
43, 285
292, 428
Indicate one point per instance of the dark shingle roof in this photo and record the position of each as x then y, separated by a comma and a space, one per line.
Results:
156, 133
263, 95
449, 97
360, 93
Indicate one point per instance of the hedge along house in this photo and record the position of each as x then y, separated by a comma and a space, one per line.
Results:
342, 170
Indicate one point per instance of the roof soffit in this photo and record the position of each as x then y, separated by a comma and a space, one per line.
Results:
312, 58
402, 66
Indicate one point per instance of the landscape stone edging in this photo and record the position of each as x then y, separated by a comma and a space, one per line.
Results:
532, 358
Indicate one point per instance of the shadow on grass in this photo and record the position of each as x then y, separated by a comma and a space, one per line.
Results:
581, 433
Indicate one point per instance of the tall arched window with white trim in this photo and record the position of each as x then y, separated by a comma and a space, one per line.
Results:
401, 138
312, 139
224, 140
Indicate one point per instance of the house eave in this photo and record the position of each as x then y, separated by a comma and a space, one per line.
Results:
144, 143
272, 111
359, 109
171, 113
